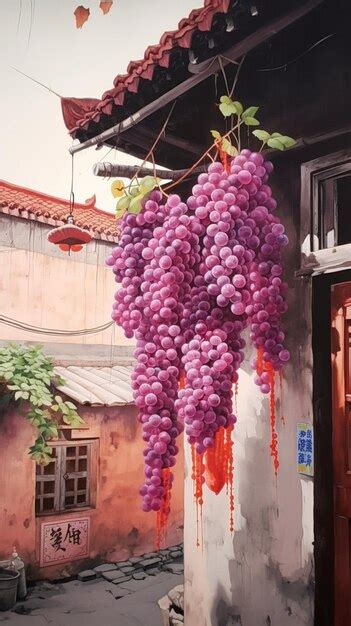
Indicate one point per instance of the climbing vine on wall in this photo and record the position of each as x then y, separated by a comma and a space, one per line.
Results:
27, 380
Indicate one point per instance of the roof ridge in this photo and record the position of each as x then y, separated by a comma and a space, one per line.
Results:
46, 196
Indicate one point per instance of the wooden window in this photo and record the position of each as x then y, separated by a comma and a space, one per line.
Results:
65, 484
325, 209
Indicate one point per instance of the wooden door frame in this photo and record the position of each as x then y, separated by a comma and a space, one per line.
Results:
323, 437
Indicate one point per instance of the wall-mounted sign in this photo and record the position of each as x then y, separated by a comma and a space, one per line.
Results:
304, 449
62, 541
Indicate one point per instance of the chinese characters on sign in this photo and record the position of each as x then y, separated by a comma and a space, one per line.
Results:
64, 541
304, 449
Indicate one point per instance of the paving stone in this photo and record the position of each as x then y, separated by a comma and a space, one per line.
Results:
128, 569
106, 567
120, 593
139, 575
150, 555
153, 571
87, 574
176, 554
146, 563
134, 559
125, 563
115, 576
175, 568
121, 581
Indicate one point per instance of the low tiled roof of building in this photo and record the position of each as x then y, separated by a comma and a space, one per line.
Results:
34, 205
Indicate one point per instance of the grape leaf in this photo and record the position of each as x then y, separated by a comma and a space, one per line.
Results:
227, 109
117, 188
229, 148
215, 134
239, 107
135, 205
273, 142
251, 121
250, 112
122, 205
287, 141
262, 135
275, 135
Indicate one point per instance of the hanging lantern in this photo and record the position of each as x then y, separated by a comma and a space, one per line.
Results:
69, 237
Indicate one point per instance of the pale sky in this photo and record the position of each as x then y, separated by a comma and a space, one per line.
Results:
82, 63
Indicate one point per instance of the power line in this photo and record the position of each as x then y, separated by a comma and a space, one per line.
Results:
8, 321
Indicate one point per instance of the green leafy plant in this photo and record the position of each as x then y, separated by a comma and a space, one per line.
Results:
131, 198
240, 116
27, 381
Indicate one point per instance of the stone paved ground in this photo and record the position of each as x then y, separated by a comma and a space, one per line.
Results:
94, 603
122, 594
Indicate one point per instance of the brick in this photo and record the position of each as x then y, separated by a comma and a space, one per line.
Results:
134, 559
176, 554
150, 555
87, 574
121, 581
175, 568
153, 571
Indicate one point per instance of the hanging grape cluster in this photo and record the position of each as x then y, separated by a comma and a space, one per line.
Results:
193, 276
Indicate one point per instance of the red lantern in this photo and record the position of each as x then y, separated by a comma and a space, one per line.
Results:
69, 237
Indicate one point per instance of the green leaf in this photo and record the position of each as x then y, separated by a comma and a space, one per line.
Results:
275, 135
251, 121
229, 148
275, 143
135, 205
123, 203
215, 134
250, 112
287, 141
58, 399
262, 135
227, 109
226, 100
239, 107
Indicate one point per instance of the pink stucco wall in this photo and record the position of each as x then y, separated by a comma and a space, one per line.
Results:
118, 527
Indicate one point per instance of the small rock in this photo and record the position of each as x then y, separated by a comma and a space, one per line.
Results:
106, 567
125, 563
176, 596
139, 575
87, 574
128, 569
174, 568
119, 593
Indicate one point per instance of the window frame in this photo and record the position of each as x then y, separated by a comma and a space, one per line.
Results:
60, 508
313, 173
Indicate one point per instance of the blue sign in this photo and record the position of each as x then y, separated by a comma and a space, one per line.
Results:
305, 449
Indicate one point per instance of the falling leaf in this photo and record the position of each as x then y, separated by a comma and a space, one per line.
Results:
105, 6
117, 188
82, 15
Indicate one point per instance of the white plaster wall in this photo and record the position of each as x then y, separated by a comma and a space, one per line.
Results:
262, 575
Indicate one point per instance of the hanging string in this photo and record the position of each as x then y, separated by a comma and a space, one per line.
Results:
71, 195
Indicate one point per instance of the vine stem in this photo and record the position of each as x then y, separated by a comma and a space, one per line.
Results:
237, 75
158, 137
206, 153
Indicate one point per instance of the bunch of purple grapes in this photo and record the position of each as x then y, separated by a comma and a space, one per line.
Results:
193, 277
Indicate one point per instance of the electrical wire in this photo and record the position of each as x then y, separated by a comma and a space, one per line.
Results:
285, 65
8, 321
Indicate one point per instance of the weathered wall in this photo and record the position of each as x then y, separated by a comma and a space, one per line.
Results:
118, 527
263, 575
53, 290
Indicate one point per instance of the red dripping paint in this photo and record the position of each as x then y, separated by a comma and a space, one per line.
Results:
163, 513
229, 465
263, 366
282, 418
214, 459
198, 480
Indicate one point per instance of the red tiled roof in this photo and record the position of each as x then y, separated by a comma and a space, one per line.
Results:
157, 55
34, 205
